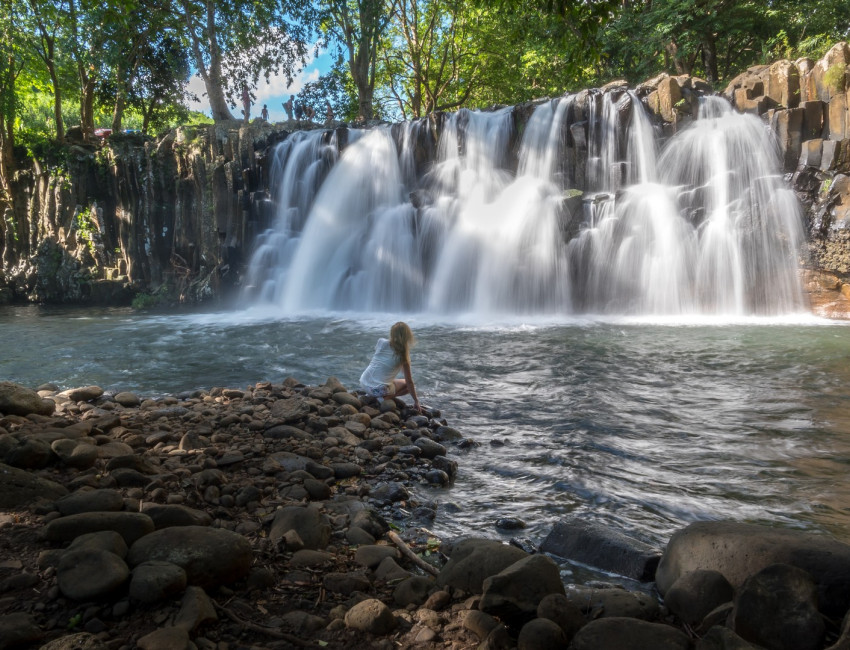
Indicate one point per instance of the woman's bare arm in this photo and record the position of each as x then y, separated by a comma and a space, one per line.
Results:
408, 378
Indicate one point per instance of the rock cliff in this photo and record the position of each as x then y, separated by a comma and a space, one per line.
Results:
177, 215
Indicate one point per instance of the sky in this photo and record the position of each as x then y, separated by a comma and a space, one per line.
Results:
273, 93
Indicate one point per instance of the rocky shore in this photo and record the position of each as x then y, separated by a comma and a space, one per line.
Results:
286, 516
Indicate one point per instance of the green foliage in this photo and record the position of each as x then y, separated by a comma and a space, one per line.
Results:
143, 301
834, 78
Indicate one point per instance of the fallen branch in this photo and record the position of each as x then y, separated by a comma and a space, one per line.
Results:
262, 629
407, 552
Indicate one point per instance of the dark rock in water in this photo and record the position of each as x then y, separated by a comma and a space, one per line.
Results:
697, 593
19, 400
444, 464
739, 551
430, 449
209, 556
20, 488
523, 543
437, 477
628, 634
390, 493
514, 593
602, 547
474, 560
510, 523
777, 608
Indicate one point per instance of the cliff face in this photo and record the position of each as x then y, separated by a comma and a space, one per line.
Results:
178, 214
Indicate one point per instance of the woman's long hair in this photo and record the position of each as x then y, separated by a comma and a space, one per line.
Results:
401, 340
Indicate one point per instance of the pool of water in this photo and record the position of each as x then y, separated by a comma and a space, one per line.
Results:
644, 425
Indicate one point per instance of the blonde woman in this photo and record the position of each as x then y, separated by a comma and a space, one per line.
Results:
391, 356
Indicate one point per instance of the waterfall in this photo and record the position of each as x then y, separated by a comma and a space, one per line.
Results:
578, 210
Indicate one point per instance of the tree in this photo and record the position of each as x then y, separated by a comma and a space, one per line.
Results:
234, 42
12, 60
358, 27
45, 21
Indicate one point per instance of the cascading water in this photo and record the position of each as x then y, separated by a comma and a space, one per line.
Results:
707, 227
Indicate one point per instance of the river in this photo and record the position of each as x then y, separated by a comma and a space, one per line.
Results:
644, 425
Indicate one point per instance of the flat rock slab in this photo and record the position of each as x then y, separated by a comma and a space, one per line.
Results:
210, 556
602, 547
739, 551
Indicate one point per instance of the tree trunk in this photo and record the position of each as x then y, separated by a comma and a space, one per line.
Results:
120, 98
709, 59
211, 75
86, 103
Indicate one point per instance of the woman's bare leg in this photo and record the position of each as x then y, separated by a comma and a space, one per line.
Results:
400, 387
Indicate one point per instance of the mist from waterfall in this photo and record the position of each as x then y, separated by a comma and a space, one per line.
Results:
573, 212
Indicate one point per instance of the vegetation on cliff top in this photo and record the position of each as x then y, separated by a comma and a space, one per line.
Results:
123, 64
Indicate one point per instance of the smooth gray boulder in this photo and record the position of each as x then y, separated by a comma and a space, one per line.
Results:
541, 634
628, 634
155, 581
739, 551
473, 560
210, 556
18, 630
722, 638
613, 602
20, 488
515, 592
777, 608
697, 593
86, 573
88, 500
600, 546
561, 610
20, 400
130, 525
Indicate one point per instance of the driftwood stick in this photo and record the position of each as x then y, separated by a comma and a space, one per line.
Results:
410, 555
275, 634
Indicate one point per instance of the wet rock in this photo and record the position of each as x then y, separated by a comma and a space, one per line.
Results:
318, 490
290, 410
130, 525
371, 616
210, 556
474, 560
778, 608
309, 523
19, 400
168, 515
563, 612
516, 591
541, 634
357, 536
697, 593
29, 453
19, 488
430, 449
85, 574
18, 630
602, 547
739, 551
155, 581
628, 634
